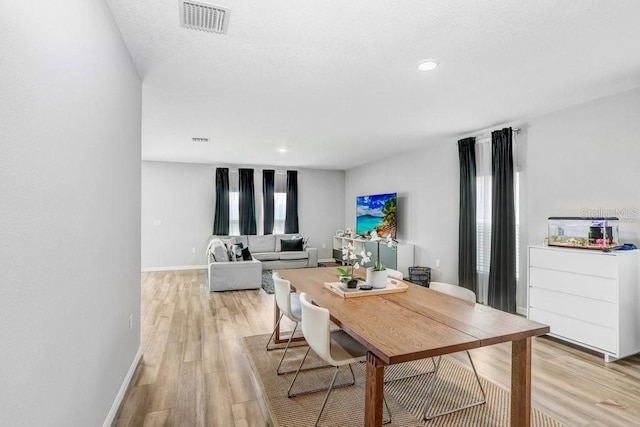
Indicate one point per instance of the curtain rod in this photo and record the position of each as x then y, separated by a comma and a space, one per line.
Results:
277, 171
514, 130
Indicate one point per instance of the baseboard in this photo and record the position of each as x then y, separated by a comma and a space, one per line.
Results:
111, 416
521, 310
177, 267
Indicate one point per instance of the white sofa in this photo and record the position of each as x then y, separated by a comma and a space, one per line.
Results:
267, 254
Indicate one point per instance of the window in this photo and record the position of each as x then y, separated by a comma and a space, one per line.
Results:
279, 207
279, 212
234, 213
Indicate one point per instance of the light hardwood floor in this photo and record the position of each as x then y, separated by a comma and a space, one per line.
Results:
194, 371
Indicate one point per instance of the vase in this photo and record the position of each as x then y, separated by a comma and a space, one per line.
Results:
377, 279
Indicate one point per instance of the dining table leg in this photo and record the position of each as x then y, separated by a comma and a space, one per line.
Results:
276, 317
521, 383
374, 392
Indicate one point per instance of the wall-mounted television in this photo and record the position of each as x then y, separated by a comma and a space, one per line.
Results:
376, 212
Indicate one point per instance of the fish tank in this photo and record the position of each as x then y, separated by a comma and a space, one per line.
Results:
583, 232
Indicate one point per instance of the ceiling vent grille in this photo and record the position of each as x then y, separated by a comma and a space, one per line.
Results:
204, 17
195, 139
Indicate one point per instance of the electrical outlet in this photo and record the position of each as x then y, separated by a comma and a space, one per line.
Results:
437, 263
193, 250
130, 322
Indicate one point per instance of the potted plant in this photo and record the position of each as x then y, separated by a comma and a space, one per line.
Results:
347, 276
377, 275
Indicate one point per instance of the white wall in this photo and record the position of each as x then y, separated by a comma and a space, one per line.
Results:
69, 212
427, 183
573, 162
182, 197
586, 159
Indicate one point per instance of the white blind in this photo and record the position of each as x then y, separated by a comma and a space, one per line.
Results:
279, 212
234, 213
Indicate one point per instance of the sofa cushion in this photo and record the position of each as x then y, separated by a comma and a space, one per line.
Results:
291, 245
262, 243
266, 256
286, 237
219, 250
293, 255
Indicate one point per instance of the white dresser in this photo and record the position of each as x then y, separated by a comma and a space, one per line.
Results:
589, 298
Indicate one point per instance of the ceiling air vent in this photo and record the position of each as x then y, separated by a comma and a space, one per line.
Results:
205, 17
200, 139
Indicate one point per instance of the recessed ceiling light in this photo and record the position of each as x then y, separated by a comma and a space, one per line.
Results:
282, 150
427, 65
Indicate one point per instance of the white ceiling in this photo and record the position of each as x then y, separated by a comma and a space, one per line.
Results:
337, 84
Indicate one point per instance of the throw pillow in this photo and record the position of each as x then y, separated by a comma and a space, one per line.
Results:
231, 254
235, 252
246, 255
291, 245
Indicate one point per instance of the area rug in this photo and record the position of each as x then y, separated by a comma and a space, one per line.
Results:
345, 407
267, 281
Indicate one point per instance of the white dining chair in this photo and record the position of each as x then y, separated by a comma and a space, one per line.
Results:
469, 296
289, 305
389, 370
334, 347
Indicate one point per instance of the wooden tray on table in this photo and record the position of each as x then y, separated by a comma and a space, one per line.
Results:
393, 286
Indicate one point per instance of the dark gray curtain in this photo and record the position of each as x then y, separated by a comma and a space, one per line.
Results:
291, 218
467, 275
247, 202
268, 187
221, 217
502, 273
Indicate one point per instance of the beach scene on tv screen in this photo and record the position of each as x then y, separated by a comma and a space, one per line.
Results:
376, 213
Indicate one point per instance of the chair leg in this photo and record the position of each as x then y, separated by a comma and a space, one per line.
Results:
315, 390
330, 388
274, 332
387, 420
333, 380
430, 387
470, 405
387, 381
484, 396
285, 352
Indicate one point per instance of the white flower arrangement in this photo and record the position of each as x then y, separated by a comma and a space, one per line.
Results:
350, 257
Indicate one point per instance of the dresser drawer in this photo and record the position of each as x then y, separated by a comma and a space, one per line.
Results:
576, 261
585, 309
594, 287
578, 331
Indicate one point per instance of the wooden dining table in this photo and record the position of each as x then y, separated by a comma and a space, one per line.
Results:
420, 323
